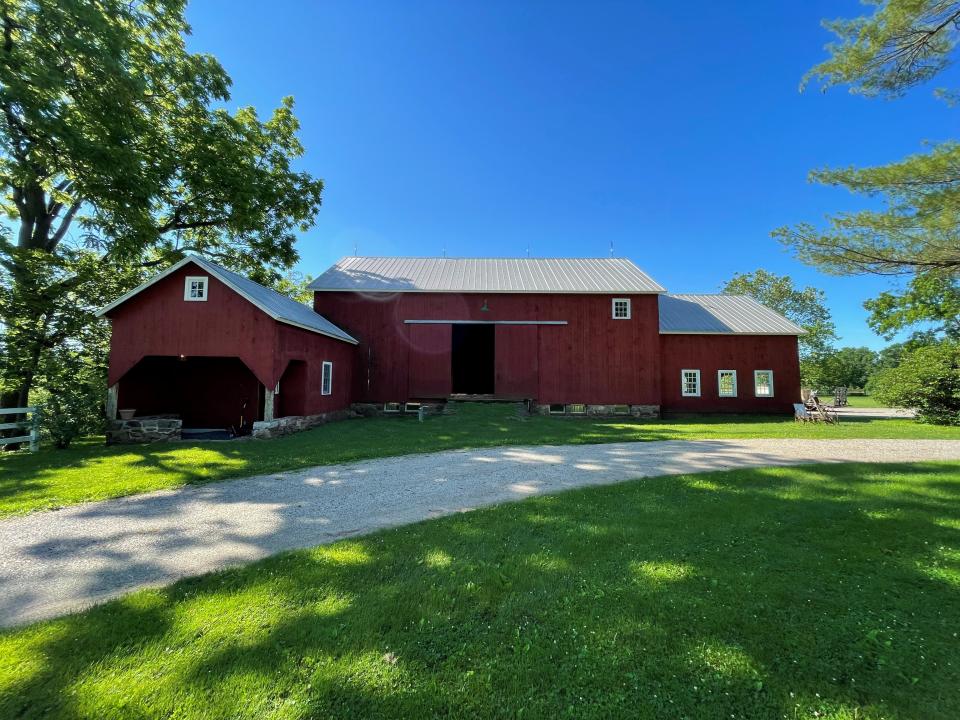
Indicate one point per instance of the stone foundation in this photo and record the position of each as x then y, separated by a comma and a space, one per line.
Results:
264, 429
147, 429
376, 409
635, 411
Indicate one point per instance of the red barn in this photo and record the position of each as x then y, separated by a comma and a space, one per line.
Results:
570, 335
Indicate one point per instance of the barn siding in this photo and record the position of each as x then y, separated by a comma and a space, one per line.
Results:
158, 322
743, 353
516, 367
592, 359
294, 343
429, 361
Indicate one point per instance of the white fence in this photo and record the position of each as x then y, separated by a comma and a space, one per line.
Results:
31, 425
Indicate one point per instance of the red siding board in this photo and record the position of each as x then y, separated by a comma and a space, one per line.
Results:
158, 322
592, 359
429, 361
743, 353
516, 365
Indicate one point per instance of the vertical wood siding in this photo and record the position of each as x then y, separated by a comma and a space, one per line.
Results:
592, 359
158, 322
429, 361
743, 353
516, 363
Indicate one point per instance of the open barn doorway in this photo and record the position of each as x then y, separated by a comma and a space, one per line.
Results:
472, 355
215, 397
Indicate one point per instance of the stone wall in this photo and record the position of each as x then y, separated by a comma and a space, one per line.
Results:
376, 409
152, 428
264, 429
635, 411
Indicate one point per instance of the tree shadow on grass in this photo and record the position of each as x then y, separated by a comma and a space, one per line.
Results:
756, 593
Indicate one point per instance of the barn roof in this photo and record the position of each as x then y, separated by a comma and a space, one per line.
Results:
721, 315
280, 307
486, 275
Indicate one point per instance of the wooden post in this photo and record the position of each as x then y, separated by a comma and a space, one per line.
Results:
111, 407
35, 430
267, 404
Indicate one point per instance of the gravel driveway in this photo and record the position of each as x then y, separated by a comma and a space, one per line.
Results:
59, 561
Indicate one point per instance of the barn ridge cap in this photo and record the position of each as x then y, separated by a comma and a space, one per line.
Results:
568, 275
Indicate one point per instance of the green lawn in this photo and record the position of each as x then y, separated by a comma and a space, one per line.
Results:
90, 471
857, 401
818, 592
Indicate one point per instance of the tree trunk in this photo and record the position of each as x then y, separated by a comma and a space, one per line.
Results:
25, 318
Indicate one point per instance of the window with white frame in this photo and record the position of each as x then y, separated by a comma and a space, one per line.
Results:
690, 383
727, 383
326, 378
763, 383
621, 308
195, 288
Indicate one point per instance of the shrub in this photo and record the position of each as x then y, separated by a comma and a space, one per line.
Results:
927, 379
70, 394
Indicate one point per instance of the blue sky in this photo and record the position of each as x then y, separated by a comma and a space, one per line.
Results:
674, 131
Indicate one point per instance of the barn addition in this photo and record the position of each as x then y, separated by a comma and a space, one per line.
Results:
570, 335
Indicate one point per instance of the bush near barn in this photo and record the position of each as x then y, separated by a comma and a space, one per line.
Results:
927, 379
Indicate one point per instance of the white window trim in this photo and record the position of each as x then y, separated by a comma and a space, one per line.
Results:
613, 308
720, 392
196, 278
323, 369
683, 382
756, 373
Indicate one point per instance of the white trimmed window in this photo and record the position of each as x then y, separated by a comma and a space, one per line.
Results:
326, 378
727, 383
690, 383
195, 288
621, 308
763, 383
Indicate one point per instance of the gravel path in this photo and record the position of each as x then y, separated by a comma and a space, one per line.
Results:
60, 561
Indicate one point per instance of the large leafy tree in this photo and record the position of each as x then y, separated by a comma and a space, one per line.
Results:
914, 228
804, 306
115, 145
849, 367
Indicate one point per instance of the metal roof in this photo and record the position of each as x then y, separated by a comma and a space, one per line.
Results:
721, 315
486, 275
280, 307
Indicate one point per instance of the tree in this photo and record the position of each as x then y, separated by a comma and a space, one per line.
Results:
806, 307
914, 232
114, 145
892, 355
849, 367
927, 379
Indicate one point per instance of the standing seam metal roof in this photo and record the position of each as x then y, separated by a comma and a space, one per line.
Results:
279, 307
491, 275
721, 315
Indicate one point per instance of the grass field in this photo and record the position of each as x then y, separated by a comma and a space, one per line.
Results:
817, 592
856, 401
90, 471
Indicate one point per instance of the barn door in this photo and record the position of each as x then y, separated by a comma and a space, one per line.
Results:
516, 364
429, 367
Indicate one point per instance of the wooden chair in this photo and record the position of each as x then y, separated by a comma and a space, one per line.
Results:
839, 397
824, 413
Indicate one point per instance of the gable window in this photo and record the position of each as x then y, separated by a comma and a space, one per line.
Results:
326, 378
621, 308
763, 383
195, 288
690, 383
727, 383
